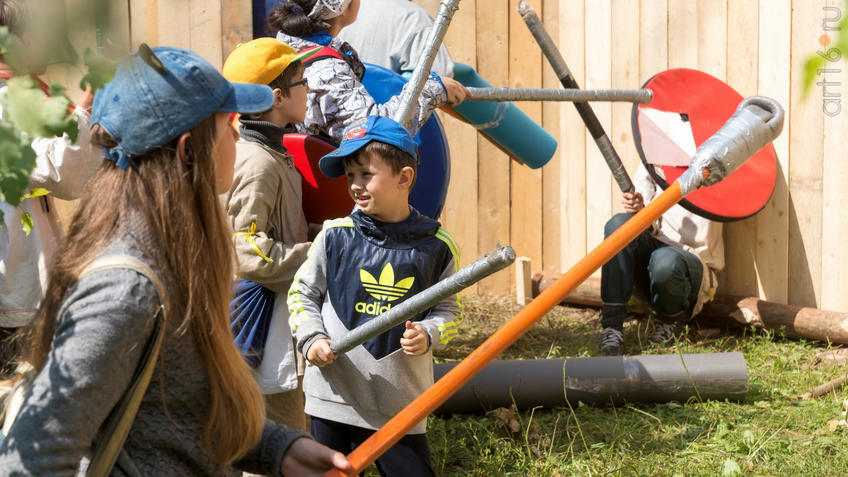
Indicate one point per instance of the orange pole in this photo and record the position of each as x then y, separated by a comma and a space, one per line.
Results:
435, 395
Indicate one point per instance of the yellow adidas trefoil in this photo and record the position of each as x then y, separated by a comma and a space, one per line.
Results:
385, 289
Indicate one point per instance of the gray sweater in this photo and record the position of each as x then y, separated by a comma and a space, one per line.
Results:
338, 289
101, 332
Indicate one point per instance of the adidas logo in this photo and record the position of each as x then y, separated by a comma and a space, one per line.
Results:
384, 290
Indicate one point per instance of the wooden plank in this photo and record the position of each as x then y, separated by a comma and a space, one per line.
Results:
682, 34
205, 30
493, 217
653, 38
712, 37
739, 276
834, 187
118, 32
144, 22
773, 80
572, 138
599, 182
625, 75
525, 71
552, 210
236, 24
174, 23
82, 35
805, 166
523, 284
460, 212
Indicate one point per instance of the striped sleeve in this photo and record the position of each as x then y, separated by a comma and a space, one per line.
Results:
307, 293
445, 318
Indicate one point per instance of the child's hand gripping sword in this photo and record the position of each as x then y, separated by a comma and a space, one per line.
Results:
757, 121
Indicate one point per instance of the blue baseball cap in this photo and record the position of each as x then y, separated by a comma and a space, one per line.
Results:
361, 132
162, 92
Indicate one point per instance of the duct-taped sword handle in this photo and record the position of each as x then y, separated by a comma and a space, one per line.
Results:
640, 96
757, 121
492, 262
409, 97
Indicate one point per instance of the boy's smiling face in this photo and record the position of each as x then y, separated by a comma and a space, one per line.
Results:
376, 189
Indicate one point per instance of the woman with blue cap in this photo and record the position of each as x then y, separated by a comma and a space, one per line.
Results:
133, 366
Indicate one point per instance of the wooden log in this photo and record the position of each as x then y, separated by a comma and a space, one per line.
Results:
793, 321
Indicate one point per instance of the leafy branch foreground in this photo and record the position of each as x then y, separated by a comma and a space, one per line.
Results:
772, 433
29, 112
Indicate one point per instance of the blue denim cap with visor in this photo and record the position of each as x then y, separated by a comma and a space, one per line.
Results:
360, 133
159, 93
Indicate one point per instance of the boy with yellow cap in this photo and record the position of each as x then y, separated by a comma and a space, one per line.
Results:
265, 209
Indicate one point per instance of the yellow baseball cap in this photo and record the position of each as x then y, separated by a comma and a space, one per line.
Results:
262, 60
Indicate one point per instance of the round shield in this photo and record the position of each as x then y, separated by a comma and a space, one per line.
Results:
687, 108
325, 198
431, 186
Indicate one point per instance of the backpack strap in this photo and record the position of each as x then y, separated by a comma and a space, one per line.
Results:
348, 55
322, 54
120, 420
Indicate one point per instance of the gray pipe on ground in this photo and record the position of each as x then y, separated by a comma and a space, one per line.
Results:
602, 380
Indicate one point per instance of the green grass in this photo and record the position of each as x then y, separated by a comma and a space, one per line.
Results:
771, 433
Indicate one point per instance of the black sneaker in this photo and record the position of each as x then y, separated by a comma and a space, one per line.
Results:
667, 332
611, 340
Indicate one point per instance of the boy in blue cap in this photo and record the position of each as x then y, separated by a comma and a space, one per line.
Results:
358, 267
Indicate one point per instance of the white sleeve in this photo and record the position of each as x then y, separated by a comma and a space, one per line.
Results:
64, 167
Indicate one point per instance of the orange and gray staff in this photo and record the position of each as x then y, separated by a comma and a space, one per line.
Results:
409, 97
757, 121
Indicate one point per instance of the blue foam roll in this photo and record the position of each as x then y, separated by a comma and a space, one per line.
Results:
504, 123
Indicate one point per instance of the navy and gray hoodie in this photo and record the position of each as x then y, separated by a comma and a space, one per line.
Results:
357, 268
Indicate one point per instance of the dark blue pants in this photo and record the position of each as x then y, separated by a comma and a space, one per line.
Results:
669, 277
410, 457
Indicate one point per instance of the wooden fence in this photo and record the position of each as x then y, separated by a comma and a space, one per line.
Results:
794, 251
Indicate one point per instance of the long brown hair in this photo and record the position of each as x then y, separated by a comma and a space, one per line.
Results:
193, 255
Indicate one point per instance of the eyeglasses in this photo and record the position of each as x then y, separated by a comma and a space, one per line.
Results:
298, 83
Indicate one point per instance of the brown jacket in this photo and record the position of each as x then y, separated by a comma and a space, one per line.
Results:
267, 192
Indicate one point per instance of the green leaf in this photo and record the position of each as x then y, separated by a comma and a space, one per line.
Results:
16, 161
37, 192
26, 223
12, 50
811, 66
31, 111
100, 70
